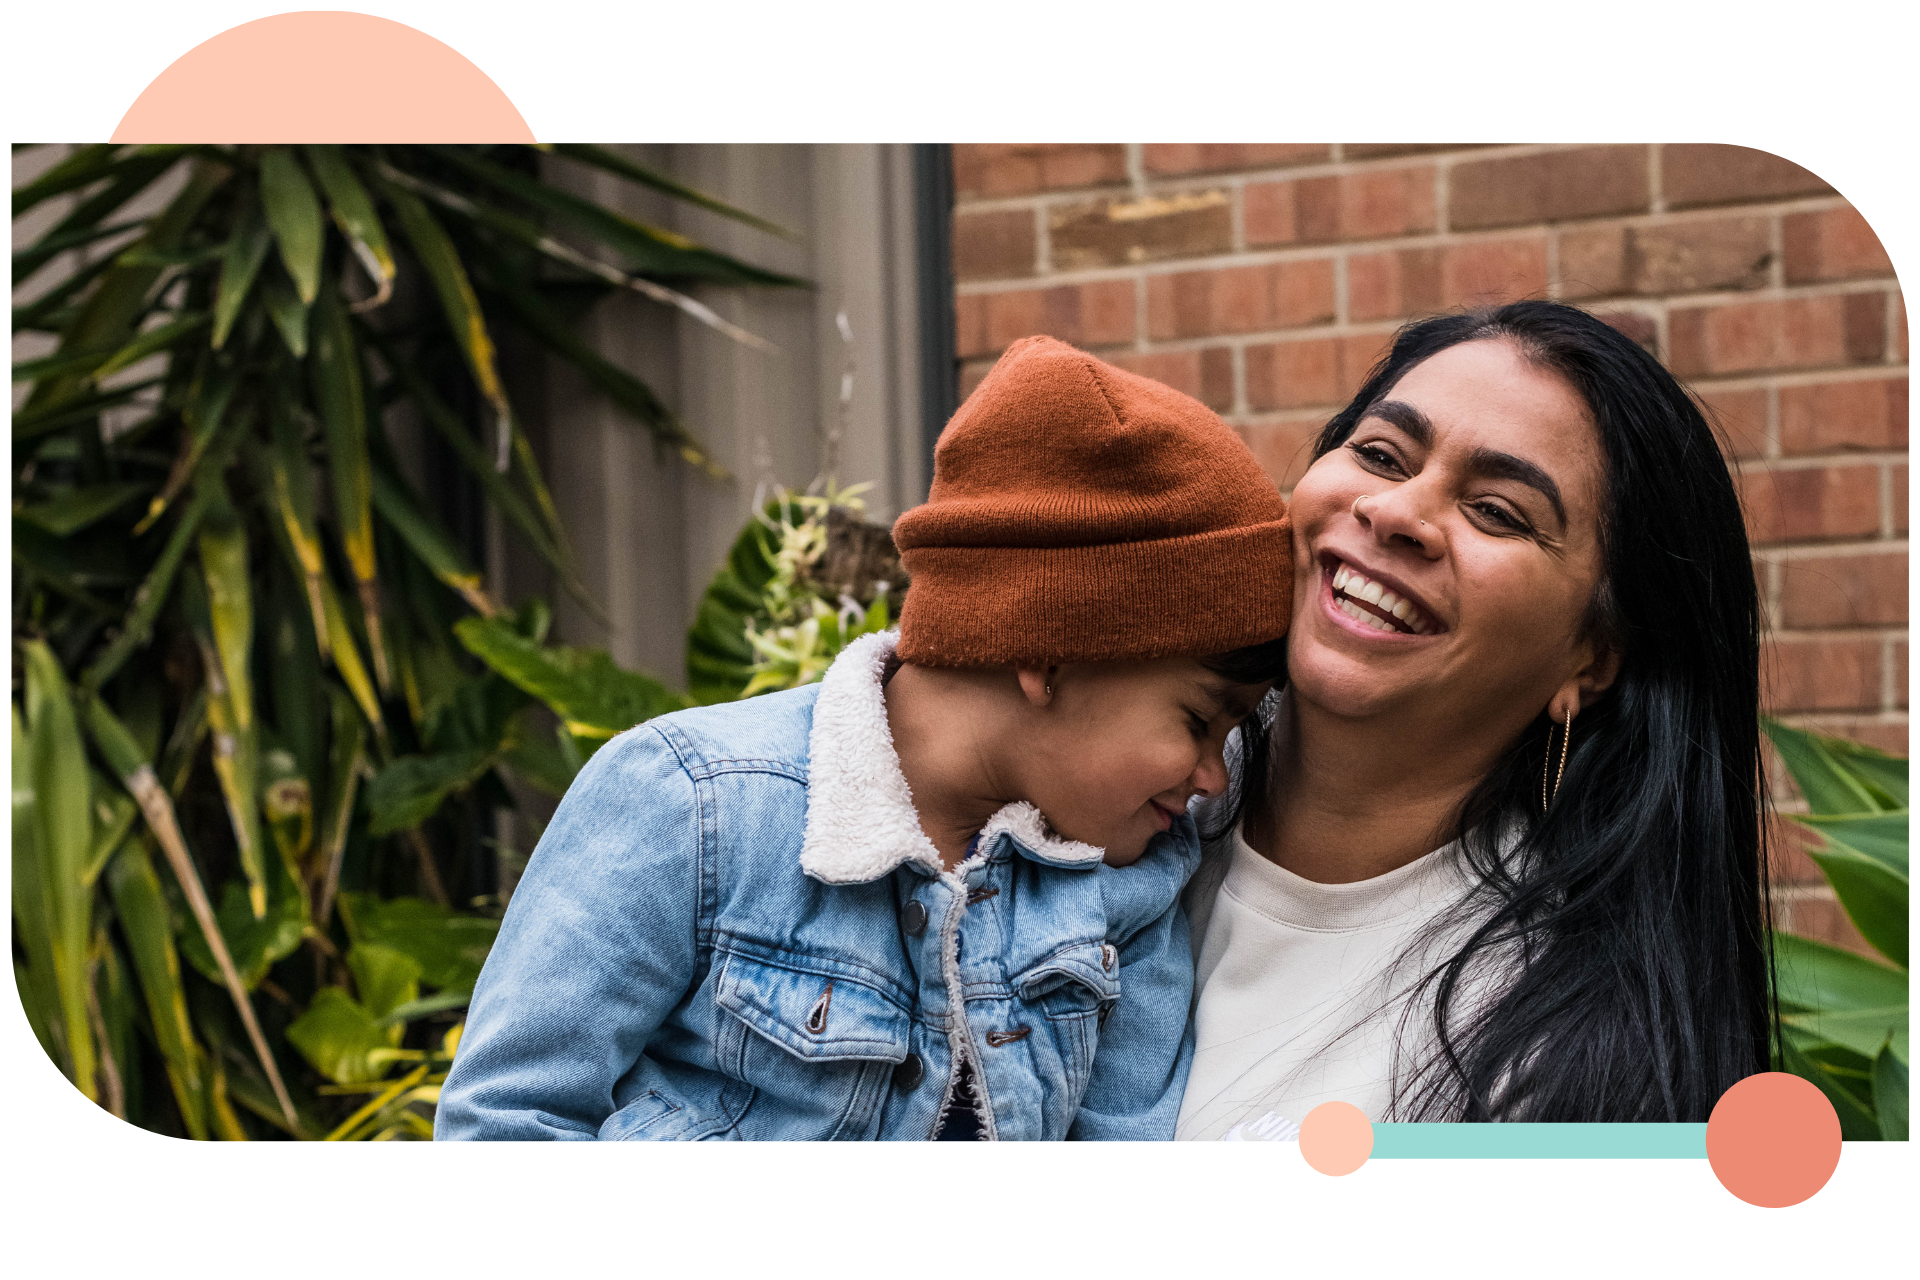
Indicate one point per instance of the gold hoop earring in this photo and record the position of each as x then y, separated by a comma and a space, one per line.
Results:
1566, 737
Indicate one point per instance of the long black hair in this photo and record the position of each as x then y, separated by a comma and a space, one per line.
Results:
1626, 922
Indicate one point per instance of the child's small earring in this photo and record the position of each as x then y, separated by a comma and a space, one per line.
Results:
1049, 691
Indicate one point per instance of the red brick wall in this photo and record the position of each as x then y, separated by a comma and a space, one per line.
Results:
1265, 280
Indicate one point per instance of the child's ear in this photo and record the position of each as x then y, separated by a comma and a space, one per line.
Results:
1037, 683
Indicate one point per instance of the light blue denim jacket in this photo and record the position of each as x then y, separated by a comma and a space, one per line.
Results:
735, 928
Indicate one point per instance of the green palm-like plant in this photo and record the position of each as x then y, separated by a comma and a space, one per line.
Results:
242, 642
1843, 1017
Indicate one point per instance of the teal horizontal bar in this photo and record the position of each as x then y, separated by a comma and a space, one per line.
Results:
1539, 1142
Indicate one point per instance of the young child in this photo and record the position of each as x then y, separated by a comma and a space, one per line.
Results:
935, 894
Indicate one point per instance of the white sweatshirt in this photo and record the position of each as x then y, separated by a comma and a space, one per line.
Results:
1299, 998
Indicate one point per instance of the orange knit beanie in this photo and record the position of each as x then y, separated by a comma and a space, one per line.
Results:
1081, 513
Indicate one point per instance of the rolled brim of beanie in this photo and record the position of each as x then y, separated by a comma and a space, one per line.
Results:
1200, 594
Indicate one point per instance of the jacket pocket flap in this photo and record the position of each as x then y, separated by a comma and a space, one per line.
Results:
812, 1015
1092, 967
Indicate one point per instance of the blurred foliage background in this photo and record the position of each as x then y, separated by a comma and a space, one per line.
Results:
264, 701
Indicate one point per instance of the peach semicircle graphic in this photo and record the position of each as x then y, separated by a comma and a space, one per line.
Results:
322, 76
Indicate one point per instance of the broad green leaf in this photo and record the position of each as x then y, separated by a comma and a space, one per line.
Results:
337, 388
293, 212
346, 657
354, 214
585, 688
32, 907
1890, 1094
411, 788
1812, 975
63, 837
427, 540
336, 1034
141, 907
450, 948
1861, 1030
288, 313
1857, 1122
239, 266
1874, 896
1829, 786
384, 978
1879, 836
75, 509
1875, 769
255, 944
457, 300
223, 562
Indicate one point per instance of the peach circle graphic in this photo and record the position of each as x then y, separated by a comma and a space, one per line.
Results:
322, 76
1336, 1138
1773, 1139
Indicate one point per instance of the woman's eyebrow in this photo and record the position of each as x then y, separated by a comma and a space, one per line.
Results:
1504, 466
1406, 417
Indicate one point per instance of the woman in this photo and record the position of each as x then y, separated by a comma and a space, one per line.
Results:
1501, 855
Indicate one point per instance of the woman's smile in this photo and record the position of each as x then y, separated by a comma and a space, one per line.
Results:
1371, 603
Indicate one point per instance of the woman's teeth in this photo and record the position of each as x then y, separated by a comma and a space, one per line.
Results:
1349, 586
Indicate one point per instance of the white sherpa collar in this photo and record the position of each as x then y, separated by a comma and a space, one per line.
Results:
861, 822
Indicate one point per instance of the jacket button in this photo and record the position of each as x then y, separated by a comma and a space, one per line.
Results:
914, 918
907, 1076
1107, 955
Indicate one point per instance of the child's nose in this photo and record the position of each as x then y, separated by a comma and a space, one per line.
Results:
1210, 776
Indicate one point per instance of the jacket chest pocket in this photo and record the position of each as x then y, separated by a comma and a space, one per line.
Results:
1074, 991
825, 1046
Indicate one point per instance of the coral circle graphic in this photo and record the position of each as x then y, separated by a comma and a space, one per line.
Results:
1773, 1139
1336, 1138
322, 77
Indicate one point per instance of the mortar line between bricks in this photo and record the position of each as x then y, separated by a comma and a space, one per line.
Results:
1777, 250
1656, 189
1891, 352
1787, 379
1809, 635
1793, 554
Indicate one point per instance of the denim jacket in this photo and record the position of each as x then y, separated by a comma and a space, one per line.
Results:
734, 927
